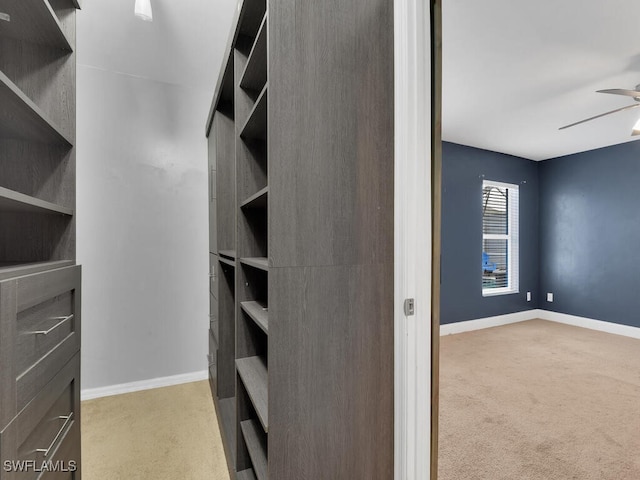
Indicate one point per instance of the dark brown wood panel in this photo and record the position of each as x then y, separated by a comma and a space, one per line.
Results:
8, 333
33, 21
331, 372
330, 117
226, 331
224, 129
52, 89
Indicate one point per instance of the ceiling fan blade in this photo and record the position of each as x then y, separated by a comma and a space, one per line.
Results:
628, 107
621, 91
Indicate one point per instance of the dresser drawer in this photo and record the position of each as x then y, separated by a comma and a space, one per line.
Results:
39, 333
43, 441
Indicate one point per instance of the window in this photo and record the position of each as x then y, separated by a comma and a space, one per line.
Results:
500, 219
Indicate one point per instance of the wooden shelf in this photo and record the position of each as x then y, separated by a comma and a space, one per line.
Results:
227, 420
254, 76
231, 254
23, 119
257, 200
225, 260
246, 475
254, 375
259, 313
11, 201
18, 269
33, 21
261, 263
257, 448
256, 125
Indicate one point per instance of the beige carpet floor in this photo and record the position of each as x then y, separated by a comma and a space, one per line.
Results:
162, 434
539, 400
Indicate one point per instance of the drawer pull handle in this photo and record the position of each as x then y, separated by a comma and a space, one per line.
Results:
47, 332
67, 420
212, 275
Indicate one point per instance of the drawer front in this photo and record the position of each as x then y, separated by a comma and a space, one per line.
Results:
39, 333
43, 441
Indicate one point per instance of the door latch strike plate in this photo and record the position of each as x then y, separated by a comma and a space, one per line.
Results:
409, 307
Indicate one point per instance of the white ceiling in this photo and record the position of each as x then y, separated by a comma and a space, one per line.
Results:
514, 71
183, 45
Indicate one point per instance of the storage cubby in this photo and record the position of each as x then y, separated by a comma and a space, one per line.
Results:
37, 132
303, 118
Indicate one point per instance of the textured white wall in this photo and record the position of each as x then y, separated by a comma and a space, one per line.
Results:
143, 96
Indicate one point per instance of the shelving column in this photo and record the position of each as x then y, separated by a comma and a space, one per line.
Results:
252, 325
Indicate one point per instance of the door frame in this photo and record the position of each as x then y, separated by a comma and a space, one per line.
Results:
417, 248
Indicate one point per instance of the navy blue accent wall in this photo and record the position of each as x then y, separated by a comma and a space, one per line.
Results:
463, 169
590, 234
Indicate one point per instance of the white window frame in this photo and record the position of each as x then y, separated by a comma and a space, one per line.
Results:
513, 240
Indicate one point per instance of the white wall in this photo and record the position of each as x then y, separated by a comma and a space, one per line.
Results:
144, 92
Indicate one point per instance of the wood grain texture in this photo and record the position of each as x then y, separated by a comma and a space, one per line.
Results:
38, 424
254, 76
12, 201
257, 200
246, 475
256, 442
12, 270
331, 378
45, 76
8, 335
34, 21
46, 172
227, 332
253, 372
226, 415
21, 118
226, 182
258, 312
331, 131
37, 288
260, 263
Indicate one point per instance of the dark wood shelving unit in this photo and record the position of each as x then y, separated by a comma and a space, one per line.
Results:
256, 125
246, 475
34, 21
301, 150
258, 312
21, 118
38, 237
257, 200
225, 260
11, 201
255, 73
261, 263
253, 372
230, 254
256, 445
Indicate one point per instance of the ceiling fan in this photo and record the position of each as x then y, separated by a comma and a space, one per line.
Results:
635, 94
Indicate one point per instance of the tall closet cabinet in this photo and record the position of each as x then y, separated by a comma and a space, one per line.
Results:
301, 174
39, 278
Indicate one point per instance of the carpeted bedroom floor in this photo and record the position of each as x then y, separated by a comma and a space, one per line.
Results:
539, 400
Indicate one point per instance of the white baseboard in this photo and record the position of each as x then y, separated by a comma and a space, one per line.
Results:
488, 322
608, 327
107, 391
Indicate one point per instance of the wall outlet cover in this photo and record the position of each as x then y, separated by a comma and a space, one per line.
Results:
528, 296
549, 297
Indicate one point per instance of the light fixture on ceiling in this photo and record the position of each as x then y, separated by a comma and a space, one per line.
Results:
143, 10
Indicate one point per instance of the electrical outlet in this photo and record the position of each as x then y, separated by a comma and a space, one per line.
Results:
528, 296
549, 297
